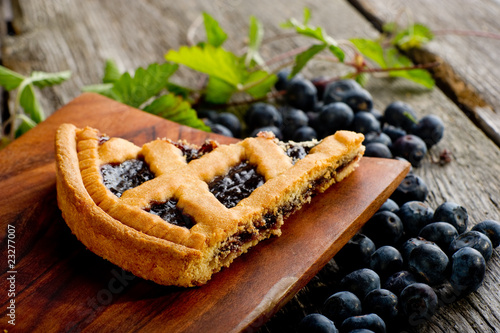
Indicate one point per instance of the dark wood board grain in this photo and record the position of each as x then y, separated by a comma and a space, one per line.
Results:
62, 287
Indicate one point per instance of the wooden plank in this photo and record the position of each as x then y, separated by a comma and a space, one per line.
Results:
53, 267
466, 44
66, 34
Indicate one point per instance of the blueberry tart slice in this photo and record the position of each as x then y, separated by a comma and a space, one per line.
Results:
176, 213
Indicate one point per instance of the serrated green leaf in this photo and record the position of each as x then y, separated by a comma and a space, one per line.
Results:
215, 35
255, 35
371, 50
105, 89
111, 72
420, 76
414, 36
316, 33
218, 91
10, 79
145, 83
213, 61
302, 58
43, 79
260, 83
25, 125
178, 90
30, 104
176, 109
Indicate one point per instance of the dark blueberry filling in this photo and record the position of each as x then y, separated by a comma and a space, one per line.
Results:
172, 214
121, 177
193, 152
238, 184
297, 151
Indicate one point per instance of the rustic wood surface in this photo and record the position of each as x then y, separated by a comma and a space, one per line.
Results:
80, 36
466, 42
310, 238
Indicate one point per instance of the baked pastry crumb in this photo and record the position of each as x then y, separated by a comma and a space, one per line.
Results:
176, 213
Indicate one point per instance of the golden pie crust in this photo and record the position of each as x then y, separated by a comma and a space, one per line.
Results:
121, 230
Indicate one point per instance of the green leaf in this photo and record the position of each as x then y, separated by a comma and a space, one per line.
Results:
259, 83
178, 89
30, 104
43, 79
302, 58
176, 109
105, 89
316, 33
414, 36
371, 50
218, 91
145, 83
111, 72
10, 79
307, 15
215, 35
255, 35
25, 125
420, 76
213, 61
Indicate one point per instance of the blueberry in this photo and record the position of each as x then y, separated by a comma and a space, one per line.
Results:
377, 114
382, 302
418, 302
356, 253
430, 129
452, 213
293, 119
377, 149
301, 94
389, 205
320, 83
263, 114
333, 117
386, 260
411, 188
207, 114
341, 306
377, 137
365, 122
230, 121
384, 227
400, 114
429, 262
411, 147
283, 79
474, 239
410, 245
273, 129
441, 233
360, 282
399, 281
393, 132
304, 133
467, 270
415, 215
491, 229
336, 90
369, 321
358, 100
221, 129
316, 323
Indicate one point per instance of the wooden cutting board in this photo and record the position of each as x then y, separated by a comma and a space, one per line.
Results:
60, 286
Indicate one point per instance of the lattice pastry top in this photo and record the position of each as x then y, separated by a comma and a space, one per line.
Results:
175, 213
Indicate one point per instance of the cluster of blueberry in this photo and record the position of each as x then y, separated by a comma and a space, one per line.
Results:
314, 109
406, 261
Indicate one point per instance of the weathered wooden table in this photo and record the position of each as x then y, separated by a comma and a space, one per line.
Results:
80, 35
